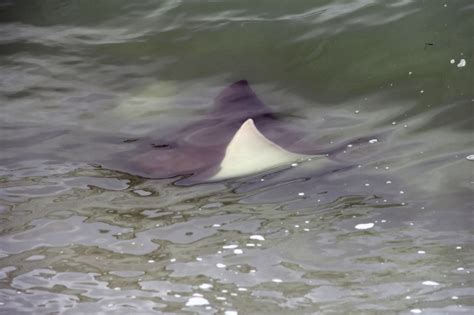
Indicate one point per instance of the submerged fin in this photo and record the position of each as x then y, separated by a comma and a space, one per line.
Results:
251, 152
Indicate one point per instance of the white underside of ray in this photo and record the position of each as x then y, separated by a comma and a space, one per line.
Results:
250, 152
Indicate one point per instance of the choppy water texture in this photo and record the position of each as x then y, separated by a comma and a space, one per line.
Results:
390, 232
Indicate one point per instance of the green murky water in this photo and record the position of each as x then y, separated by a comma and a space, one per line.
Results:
392, 234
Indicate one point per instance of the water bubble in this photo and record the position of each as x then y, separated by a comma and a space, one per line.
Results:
197, 301
35, 257
422, 252
238, 251
462, 63
257, 237
219, 265
452, 61
373, 140
230, 246
142, 192
364, 226
301, 194
415, 311
230, 313
276, 280
205, 286
431, 283
470, 157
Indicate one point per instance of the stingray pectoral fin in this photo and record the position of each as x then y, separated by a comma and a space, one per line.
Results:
251, 152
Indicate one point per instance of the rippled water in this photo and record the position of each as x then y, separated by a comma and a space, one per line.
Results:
387, 228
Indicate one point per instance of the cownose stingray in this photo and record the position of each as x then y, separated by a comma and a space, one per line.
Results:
240, 137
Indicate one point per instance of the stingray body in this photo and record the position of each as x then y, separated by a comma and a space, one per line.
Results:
241, 136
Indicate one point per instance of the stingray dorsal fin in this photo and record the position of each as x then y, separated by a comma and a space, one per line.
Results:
250, 152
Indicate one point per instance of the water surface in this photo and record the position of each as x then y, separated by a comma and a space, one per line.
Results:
384, 227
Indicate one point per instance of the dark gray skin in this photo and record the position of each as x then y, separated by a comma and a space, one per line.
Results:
199, 148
